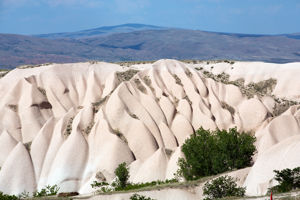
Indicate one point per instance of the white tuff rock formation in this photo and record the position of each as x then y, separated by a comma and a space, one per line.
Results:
69, 124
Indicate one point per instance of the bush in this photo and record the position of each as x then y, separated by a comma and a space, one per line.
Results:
122, 174
208, 153
224, 186
140, 197
47, 191
288, 179
7, 197
96, 184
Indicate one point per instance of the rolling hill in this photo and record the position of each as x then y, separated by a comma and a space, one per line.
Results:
133, 42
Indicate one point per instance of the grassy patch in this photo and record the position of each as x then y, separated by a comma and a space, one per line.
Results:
13, 107
140, 85
69, 127
118, 133
228, 107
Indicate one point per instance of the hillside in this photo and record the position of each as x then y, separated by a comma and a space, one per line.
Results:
105, 30
103, 114
143, 45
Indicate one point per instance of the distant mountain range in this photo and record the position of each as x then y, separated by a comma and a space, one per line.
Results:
101, 31
129, 42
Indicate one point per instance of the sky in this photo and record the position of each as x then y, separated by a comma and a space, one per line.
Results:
232, 16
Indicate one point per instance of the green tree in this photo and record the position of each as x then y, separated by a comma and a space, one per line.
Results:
224, 186
139, 197
208, 153
288, 180
7, 197
122, 174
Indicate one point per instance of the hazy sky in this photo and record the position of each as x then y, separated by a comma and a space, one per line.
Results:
240, 16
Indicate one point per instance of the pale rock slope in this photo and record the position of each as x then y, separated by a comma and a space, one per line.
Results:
71, 124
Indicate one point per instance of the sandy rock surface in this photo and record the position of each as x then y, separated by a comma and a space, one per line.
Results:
65, 124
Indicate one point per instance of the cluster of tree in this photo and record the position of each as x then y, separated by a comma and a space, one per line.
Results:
288, 179
213, 152
224, 186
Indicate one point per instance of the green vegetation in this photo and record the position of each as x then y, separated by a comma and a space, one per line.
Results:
47, 191
3, 72
121, 183
260, 89
33, 66
130, 63
212, 152
139, 197
7, 197
134, 186
42, 90
96, 184
118, 133
177, 79
288, 179
122, 175
88, 129
69, 127
224, 186
227, 107
140, 85
13, 107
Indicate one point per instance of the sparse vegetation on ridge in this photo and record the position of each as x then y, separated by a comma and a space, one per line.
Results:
140, 85
69, 127
118, 133
3, 72
126, 75
260, 89
33, 66
13, 107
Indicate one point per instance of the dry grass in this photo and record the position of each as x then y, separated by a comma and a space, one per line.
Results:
126, 75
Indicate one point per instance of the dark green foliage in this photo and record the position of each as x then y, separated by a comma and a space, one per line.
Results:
288, 179
122, 174
224, 186
7, 197
47, 191
139, 197
96, 184
208, 153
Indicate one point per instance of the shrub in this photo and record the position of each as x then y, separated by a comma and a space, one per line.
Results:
122, 174
223, 186
139, 197
23, 195
47, 191
96, 184
7, 197
288, 180
208, 153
